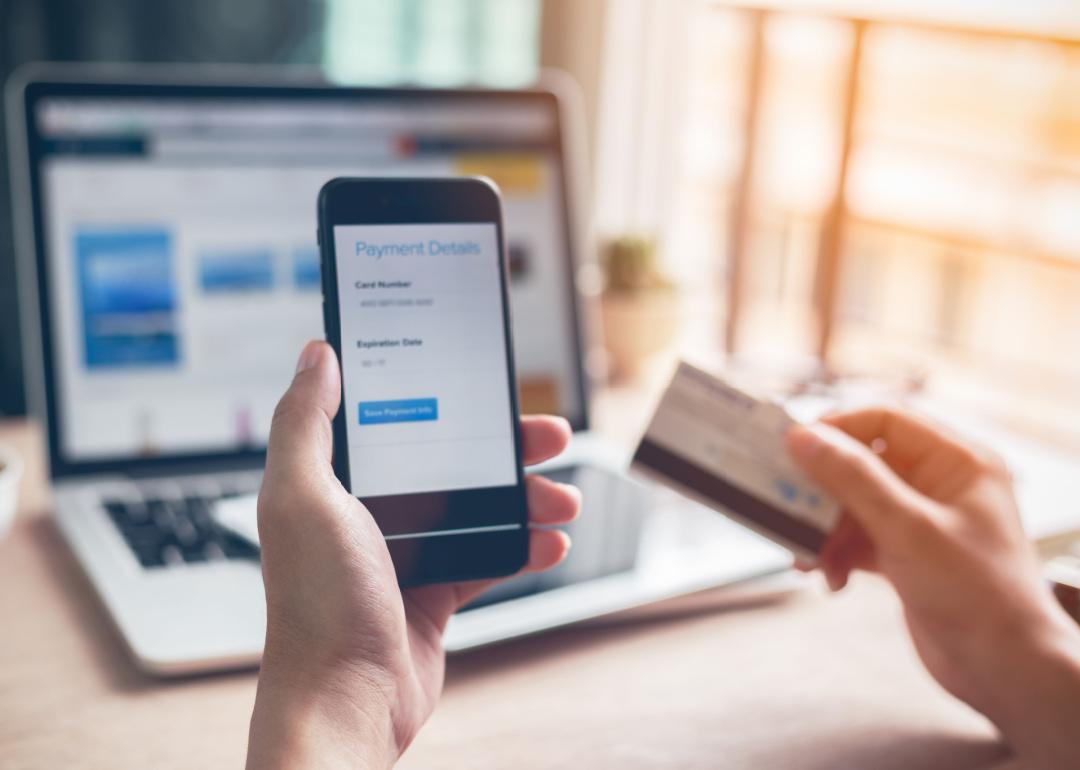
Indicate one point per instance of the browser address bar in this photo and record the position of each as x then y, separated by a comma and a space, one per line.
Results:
315, 147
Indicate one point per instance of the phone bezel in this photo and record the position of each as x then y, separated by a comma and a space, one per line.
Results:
429, 558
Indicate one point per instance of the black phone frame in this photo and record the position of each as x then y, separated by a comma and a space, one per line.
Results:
428, 534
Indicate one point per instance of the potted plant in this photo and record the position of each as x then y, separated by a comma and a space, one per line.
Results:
639, 305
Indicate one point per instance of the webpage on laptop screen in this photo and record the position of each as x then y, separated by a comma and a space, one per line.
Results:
183, 269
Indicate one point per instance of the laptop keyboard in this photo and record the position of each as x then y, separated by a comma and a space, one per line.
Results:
164, 532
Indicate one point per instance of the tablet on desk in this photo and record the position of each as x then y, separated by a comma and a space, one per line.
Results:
632, 545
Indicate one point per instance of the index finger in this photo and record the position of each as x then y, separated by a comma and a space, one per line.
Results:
906, 438
905, 441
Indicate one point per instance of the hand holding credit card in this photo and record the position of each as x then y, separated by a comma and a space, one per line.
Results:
725, 447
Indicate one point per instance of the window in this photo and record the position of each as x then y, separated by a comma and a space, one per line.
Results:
891, 194
433, 42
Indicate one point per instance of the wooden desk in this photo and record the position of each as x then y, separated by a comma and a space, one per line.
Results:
810, 682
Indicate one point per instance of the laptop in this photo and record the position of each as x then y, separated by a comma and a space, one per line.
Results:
169, 275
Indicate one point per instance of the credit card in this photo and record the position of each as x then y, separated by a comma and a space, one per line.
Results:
724, 447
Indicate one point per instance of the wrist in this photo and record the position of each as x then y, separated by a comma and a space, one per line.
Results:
320, 719
1032, 690
1046, 655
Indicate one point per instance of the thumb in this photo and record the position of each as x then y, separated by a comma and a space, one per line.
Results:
301, 437
854, 476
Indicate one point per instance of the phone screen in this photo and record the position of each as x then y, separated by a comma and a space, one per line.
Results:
426, 394
414, 291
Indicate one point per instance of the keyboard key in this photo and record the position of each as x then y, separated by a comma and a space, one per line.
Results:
186, 532
137, 511
149, 559
238, 548
194, 554
161, 513
117, 510
172, 555
199, 512
125, 511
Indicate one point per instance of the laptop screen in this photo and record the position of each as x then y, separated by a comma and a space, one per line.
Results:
179, 259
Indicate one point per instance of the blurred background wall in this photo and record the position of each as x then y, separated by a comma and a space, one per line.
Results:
888, 188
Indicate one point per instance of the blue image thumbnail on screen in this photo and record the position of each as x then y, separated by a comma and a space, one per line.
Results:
236, 271
129, 297
307, 273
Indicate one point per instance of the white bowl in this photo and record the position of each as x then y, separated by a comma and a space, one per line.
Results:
11, 469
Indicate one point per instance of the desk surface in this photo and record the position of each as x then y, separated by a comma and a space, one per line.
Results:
810, 681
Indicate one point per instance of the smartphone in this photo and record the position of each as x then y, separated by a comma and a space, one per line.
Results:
414, 283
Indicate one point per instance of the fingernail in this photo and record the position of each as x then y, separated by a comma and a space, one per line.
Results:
570, 488
805, 441
309, 356
833, 581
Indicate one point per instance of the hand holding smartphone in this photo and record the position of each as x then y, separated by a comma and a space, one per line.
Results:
415, 304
